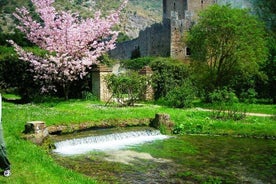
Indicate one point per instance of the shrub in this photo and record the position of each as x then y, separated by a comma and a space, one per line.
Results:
222, 96
167, 74
15, 74
181, 97
137, 64
249, 96
126, 88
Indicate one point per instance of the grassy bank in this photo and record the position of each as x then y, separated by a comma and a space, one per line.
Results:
252, 108
31, 164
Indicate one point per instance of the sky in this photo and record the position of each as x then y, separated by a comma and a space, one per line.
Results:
235, 3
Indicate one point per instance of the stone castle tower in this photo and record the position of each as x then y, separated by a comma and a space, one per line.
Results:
164, 39
181, 15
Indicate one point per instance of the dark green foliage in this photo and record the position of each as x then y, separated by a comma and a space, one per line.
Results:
122, 37
266, 10
181, 96
137, 64
249, 96
15, 73
167, 75
79, 87
127, 88
106, 60
87, 95
267, 88
222, 96
3, 2
78, 2
169, 80
18, 36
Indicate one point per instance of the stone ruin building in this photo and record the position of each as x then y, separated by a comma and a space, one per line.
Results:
165, 38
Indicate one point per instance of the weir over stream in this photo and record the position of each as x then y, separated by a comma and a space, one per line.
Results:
106, 142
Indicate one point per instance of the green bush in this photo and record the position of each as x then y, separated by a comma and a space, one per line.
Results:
15, 74
127, 88
249, 96
222, 96
137, 64
181, 97
167, 75
3, 2
122, 37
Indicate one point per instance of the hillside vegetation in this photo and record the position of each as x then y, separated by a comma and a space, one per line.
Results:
137, 15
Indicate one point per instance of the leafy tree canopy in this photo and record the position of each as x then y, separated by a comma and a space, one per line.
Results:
226, 43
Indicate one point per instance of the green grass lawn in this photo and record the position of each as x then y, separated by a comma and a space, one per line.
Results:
32, 165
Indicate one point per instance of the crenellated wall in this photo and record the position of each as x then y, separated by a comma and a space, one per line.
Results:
166, 38
153, 41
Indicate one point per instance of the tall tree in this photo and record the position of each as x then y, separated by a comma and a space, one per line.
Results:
73, 43
266, 11
226, 43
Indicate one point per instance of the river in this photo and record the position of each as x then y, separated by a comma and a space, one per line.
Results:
179, 159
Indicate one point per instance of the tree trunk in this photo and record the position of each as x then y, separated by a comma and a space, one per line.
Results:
66, 88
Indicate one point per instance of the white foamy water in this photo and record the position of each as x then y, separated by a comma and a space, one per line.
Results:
106, 142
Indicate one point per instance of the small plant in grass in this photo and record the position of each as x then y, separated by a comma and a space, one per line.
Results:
164, 130
87, 95
188, 128
213, 180
230, 113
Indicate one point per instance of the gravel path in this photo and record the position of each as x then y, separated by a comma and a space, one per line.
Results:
248, 114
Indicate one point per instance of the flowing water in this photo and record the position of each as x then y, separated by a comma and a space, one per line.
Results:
112, 141
178, 159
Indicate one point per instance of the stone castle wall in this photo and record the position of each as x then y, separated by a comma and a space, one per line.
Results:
164, 39
153, 41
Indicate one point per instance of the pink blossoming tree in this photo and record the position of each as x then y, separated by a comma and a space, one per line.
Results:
74, 44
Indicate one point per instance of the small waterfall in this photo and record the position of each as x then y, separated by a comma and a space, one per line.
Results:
106, 142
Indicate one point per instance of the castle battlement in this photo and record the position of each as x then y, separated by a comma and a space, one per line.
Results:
164, 39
